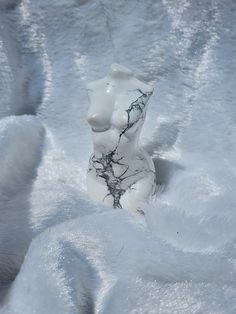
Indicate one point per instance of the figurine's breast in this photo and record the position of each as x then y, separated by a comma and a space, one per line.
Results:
129, 109
110, 107
100, 109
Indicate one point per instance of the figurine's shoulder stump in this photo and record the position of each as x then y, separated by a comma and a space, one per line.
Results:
140, 85
98, 84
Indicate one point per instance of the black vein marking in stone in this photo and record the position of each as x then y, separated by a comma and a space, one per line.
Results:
138, 105
104, 165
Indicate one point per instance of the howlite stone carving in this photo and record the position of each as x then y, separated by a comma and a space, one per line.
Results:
120, 173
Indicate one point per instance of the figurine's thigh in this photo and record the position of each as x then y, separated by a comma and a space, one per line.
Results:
139, 192
98, 191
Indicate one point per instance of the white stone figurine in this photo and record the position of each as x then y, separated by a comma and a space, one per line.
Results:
120, 173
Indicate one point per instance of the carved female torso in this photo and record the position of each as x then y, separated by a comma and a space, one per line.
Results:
120, 173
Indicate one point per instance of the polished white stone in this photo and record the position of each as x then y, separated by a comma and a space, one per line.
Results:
120, 173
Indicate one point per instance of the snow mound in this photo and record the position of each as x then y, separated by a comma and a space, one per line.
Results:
107, 263
21, 144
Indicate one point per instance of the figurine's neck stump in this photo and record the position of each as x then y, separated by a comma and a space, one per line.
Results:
119, 72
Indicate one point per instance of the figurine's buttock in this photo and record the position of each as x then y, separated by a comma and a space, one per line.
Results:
120, 174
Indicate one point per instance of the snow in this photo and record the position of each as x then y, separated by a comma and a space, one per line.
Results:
82, 257
21, 142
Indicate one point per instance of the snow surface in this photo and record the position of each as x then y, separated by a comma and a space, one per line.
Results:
82, 257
